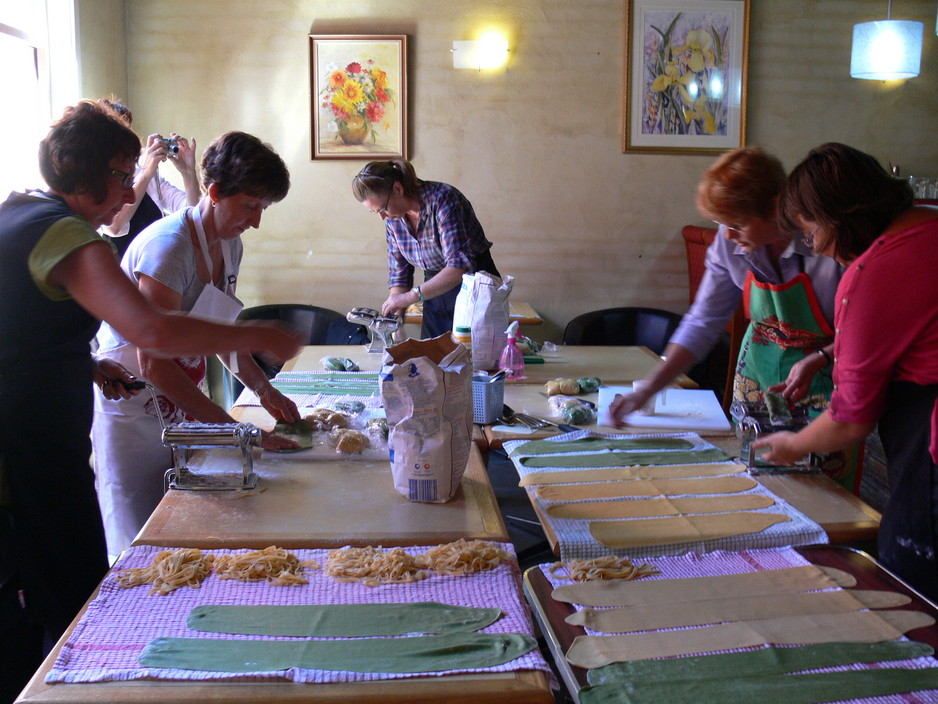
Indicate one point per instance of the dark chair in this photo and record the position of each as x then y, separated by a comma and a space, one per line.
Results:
648, 327
319, 326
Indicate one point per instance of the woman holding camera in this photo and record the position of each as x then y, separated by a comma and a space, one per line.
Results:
153, 195
187, 262
58, 279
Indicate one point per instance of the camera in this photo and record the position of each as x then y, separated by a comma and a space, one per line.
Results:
172, 146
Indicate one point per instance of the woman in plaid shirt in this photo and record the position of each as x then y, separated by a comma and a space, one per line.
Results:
429, 225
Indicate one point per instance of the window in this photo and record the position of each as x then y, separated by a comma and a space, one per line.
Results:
36, 82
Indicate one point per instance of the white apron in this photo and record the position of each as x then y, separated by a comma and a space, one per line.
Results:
129, 456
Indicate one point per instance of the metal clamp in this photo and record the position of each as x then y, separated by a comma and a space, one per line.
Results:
380, 327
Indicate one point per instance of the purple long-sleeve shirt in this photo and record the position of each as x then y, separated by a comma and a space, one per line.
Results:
721, 288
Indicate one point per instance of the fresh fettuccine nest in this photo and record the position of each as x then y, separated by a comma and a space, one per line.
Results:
373, 566
276, 565
172, 569
463, 557
169, 570
607, 567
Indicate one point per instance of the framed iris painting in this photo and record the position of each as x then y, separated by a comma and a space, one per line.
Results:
358, 95
685, 76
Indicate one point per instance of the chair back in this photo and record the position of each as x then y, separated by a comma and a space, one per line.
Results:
318, 326
647, 327
696, 241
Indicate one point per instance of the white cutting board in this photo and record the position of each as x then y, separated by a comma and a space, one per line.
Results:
675, 409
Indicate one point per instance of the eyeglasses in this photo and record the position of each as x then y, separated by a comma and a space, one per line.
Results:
732, 228
808, 237
127, 180
384, 211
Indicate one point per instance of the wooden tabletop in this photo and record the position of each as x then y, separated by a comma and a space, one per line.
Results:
309, 358
520, 312
524, 687
844, 517
559, 634
614, 365
324, 503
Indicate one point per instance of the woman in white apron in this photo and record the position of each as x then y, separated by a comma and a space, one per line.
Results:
187, 261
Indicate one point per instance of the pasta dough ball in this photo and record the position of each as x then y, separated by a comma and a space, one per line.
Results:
562, 386
350, 442
326, 419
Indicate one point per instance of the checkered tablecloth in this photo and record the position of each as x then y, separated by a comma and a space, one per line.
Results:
119, 622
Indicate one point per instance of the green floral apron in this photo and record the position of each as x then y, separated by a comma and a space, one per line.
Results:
786, 324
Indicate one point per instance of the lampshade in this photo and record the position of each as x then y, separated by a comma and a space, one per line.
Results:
886, 49
488, 52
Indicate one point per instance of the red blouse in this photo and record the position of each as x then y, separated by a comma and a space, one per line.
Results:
886, 323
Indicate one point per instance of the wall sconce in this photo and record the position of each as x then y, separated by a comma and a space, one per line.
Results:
489, 52
887, 49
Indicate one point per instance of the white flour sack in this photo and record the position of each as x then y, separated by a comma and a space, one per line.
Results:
482, 306
426, 387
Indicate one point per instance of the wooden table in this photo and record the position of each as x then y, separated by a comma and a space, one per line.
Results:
316, 503
844, 517
520, 312
614, 365
308, 504
550, 614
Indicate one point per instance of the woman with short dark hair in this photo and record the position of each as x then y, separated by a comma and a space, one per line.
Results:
58, 279
187, 262
429, 225
886, 352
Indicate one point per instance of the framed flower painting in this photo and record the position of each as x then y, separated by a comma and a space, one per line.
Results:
685, 76
358, 96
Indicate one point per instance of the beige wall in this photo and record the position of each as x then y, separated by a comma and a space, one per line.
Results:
102, 47
536, 148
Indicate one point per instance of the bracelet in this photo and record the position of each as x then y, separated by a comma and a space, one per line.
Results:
826, 355
416, 289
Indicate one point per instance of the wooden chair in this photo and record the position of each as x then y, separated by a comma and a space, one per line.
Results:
696, 241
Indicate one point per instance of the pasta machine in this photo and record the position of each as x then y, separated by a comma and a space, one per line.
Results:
226, 460
380, 327
753, 420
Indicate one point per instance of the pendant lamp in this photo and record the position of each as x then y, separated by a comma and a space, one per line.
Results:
886, 50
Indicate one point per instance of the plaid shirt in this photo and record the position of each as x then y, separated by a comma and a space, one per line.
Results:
448, 234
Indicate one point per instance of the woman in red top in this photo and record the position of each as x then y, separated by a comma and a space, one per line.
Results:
886, 345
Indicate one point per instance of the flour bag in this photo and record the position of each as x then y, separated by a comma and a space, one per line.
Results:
426, 387
482, 306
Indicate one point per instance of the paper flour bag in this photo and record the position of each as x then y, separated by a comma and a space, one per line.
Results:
482, 306
426, 386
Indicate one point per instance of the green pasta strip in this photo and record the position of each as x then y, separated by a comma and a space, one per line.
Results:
454, 651
544, 447
332, 620
777, 689
750, 663
626, 459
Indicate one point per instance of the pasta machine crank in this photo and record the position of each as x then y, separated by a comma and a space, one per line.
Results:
380, 327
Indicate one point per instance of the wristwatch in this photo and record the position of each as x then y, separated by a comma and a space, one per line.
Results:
416, 289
